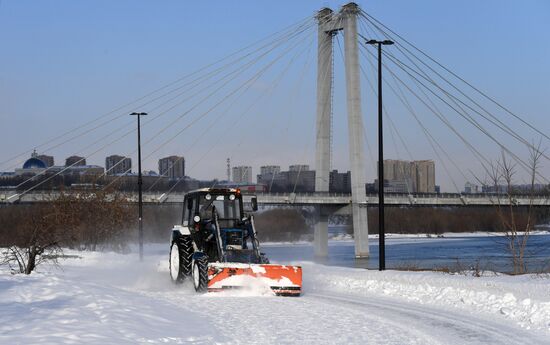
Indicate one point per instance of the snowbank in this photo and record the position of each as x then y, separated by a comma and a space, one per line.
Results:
78, 305
524, 299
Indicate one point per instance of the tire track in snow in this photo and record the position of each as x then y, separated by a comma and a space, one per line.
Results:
249, 319
448, 327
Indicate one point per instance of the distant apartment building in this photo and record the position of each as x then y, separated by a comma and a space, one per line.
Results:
298, 167
397, 170
470, 188
392, 186
270, 169
424, 174
115, 165
48, 160
75, 161
515, 189
339, 182
299, 178
398, 177
242, 174
409, 177
172, 167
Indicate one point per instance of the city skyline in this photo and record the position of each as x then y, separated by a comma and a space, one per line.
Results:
400, 176
113, 76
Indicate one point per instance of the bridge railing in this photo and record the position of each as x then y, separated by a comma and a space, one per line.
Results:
406, 195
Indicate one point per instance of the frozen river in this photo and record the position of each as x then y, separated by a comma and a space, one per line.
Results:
489, 252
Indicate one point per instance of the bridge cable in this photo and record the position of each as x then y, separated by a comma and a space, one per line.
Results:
454, 99
150, 119
373, 162
67, 167
468, 118
290, 27
426, 133
374, 21
285, 131
207, 97
292, 100
242, 115
430, 139
119, 108
501, 125
250, 83
439, 115
267, 92
391, 127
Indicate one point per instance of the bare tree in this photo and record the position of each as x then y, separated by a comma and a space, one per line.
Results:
517, 226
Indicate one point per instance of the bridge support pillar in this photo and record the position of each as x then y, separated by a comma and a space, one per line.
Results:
320, 236
324, 99
325, 33
355, 128
329, 25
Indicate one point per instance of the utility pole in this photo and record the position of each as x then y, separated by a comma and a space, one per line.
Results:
140, 182
381, 223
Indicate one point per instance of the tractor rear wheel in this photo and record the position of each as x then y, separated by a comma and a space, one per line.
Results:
200, 274
180, 258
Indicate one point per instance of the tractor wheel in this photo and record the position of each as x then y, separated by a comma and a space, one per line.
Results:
200, 274
180, 258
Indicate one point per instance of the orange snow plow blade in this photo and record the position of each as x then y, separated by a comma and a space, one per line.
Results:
282, 280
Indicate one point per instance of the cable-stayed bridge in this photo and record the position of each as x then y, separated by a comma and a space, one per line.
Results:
202, 109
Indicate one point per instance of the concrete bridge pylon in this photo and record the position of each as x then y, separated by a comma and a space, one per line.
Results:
329, 24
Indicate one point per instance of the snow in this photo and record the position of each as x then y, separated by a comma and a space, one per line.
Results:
108, 298
524, 299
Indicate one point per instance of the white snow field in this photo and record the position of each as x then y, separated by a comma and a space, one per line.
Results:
108, 298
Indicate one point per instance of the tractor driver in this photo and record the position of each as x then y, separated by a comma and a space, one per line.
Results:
208, 229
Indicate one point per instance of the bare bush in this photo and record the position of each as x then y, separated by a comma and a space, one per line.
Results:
34, 234
104, 218
40, 236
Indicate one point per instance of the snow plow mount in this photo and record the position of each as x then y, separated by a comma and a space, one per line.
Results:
281, 280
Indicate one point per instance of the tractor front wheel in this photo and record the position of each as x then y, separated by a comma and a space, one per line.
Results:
200, 274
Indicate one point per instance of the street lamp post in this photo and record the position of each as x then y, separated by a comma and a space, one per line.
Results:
140, 182
381, 223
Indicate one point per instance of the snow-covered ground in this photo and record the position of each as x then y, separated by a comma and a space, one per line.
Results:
107, 298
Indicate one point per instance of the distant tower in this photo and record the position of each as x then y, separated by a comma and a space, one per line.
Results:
228, 172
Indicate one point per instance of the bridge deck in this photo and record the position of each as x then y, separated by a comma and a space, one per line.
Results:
323, 198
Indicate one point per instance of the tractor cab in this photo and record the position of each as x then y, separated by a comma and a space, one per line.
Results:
219, 227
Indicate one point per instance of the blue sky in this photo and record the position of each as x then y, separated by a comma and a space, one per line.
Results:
67, 62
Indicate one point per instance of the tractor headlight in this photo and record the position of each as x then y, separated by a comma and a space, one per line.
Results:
232, 197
